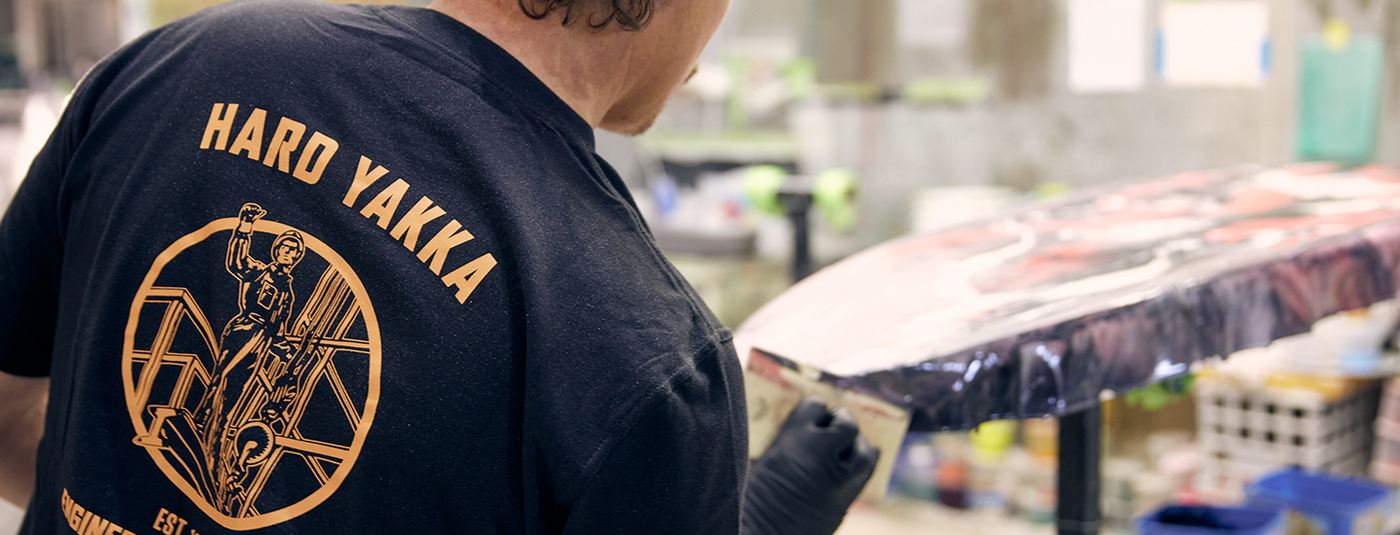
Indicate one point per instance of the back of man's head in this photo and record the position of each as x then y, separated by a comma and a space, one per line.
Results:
615, 62
629, 15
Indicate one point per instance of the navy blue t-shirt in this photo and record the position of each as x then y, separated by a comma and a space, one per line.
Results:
299, 267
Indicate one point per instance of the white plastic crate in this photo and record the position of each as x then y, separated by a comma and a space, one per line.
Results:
1245, 433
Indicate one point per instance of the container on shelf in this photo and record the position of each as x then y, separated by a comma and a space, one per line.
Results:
1205, 520
952, 480
1036, 504
1385, 472
985, 491
1387, 444
952, 471
1246, 433
1385, 457
990, 441
1031, 488
1119, 501
915, 467
1042, 436
1390, 404
1321, 504
1351, 342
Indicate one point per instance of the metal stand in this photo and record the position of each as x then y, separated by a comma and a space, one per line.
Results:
797, 205
1081, 450
795, 195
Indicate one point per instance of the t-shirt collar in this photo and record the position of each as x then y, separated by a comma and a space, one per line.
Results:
501, 67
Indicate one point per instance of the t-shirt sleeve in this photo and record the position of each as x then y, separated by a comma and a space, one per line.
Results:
681, 468
31, 250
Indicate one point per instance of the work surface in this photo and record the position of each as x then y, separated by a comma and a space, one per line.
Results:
1038, 311
904, 516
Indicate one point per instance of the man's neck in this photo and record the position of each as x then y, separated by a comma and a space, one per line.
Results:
586, 69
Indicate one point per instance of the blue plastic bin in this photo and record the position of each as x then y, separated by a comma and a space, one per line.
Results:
1325, 504
1202, 520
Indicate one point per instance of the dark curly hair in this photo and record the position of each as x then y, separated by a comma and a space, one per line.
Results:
630, 15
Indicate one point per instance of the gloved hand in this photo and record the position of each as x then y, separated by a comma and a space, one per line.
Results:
807, 479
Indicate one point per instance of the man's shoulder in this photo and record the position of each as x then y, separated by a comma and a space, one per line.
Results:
263, 11
251, 27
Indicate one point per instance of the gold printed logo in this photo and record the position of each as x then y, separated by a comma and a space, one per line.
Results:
261, 420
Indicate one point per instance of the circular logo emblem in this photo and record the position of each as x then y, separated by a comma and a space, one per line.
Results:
251, 367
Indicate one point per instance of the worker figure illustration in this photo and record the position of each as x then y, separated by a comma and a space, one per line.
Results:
237, 405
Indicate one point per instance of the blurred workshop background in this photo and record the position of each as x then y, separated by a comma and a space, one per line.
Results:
904, 116
935, 109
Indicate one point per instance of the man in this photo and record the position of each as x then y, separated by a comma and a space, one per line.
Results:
495, 344
258, 333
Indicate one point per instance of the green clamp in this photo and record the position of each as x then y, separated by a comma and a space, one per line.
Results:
835, 196
761, 185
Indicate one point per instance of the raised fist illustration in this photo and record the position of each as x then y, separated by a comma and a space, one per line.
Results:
251, 212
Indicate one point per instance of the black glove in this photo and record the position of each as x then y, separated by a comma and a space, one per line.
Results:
810, 475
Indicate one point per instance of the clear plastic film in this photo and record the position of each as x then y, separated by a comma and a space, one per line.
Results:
1037, 311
